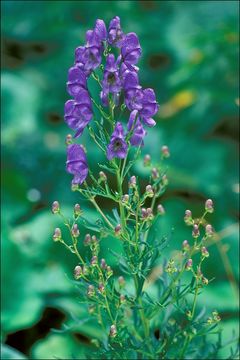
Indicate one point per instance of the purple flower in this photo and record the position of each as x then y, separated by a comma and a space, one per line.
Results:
131, 49
117, 146
149, 107
133, 91
111, 81
76, 81
78, 112
100, 30
115, 34
135, 125
77, 163
88, 58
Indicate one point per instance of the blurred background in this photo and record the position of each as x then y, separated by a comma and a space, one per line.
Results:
190, 58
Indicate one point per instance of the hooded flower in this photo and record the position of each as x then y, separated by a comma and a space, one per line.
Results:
78, 112
111, 81
76, 81
89, 57
117, 146
115, 34
149, 107
135, 126
77, 163
131, 49
133, 91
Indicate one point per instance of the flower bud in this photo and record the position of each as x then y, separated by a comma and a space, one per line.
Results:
188, 265
94, 239
155, 173
209, 206
195, 231
209, 230
185, 245
188, 217
85, 270
147, 160
90, 291
91, 309
87, 240
122, 298
144, 212
55, 207
75, 231
132, 182
204, 252
102, 176
121, 281
77, 210
74, 187
149, 191
103, 264
149, 213
77, 272
160, 209
118, 229
165, 180
216, 316
94, 261
125, 198
204, 281
165, 151
68, 139
113, 331
57, 236
101, 288
109, 271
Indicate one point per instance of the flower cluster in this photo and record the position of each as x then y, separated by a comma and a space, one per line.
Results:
117, 76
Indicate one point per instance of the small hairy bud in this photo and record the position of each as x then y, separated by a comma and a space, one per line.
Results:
209, 230
101, 288
85, 270
113, 331
188, 265
109, 271
204, 252
75, 231
185, 245
216, 316
74, 187
147, 160
121, 281
118, 229
94, 239
209, 206
132, 182
122, 298
204, 281
90, 291
188, 217
144, 212
57, 235
94, 261
149, 191
55, 207
171, 268
155, 173
91, 309
160, 209
102, 176
165, 151
125, 198
103, 264
68, 139
77, 272
77, 210
87, 240
195, 231
149, 213
165, 180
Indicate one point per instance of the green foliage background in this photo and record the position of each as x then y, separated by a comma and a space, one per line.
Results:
190, 58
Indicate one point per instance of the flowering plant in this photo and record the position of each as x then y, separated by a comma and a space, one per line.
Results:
143, 314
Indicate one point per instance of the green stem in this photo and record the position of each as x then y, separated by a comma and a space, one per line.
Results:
93, 201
